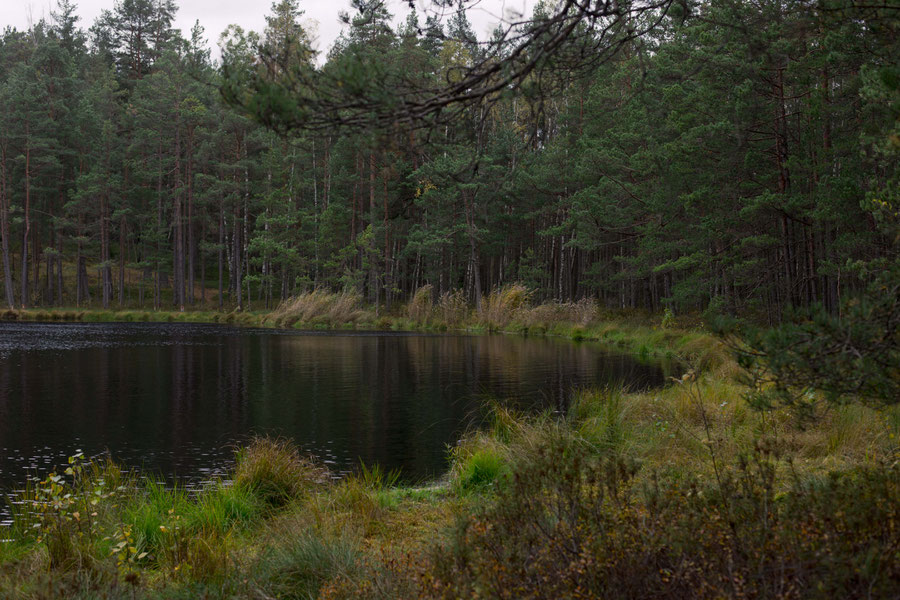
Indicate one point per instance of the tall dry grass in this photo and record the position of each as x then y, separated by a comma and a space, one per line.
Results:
421, 307
452, 308
503, 305
582, 313
319, 307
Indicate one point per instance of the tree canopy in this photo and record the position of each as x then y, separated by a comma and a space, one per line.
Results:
728, 157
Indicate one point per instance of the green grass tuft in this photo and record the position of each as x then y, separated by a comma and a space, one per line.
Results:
221, 508
480, 470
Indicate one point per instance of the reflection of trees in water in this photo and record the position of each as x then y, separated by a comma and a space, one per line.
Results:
396, 400
495, 365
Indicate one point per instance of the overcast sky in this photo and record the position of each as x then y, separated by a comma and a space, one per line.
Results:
214, 15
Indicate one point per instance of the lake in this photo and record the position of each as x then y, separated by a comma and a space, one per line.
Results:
175, 398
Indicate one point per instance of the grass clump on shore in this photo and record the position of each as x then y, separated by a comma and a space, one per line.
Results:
450, 310
223, 508
318, 307
482, 468
421, 308
275, 472
502, 305
299, 562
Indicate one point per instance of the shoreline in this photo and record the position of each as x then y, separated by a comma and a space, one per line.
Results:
278, 518
689, 346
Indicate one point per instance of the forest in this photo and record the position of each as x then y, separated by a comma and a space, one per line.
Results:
291, 269
739, 159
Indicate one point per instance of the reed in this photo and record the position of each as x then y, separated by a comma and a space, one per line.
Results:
420, 309
503, 305
318, 307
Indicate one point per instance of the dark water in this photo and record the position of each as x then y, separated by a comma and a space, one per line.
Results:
174, 398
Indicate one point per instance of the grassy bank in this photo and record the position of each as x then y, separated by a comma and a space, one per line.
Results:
680, 492
94, 315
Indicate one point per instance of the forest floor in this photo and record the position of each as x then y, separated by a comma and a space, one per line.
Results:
683, 491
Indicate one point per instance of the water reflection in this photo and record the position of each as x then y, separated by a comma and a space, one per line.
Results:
175, 397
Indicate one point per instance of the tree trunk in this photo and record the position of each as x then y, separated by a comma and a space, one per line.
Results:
27, 226
177, 221
315, 215
373, 272
104, 251
784, 184
36, 261
387, 247
473, 250
4, 233
157, 289
202, 263
221, 249
191, 249
122, 233
236, 251
59, 268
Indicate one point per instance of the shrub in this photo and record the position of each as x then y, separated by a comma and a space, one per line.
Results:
668, 319
65, 512
570, 523
851, 357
